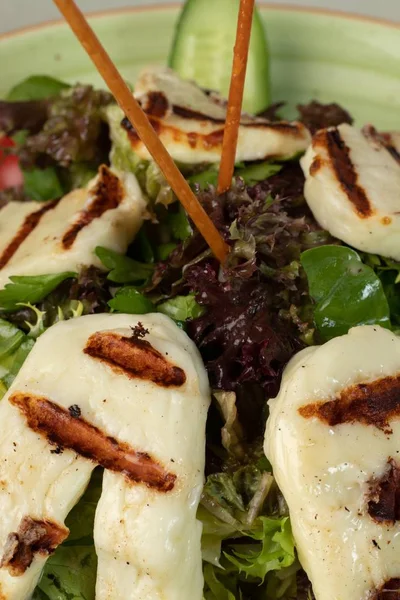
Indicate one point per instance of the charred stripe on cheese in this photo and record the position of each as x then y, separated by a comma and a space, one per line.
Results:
156, 104
34, 536
390, 146
352, 187
389, 591
29, 224
375, 403
390, 141
107, 194
384, 496
134, 357
193, 138
294, 128
57, 425
339, 155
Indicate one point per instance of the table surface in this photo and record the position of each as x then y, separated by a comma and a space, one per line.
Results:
20, 13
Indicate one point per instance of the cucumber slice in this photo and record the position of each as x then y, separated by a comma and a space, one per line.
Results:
203, 50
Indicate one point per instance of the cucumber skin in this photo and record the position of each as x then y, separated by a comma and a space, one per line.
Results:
196, 21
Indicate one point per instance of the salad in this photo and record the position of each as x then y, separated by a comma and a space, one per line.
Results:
304, 269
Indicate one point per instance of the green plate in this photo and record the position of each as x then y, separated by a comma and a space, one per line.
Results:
315, 54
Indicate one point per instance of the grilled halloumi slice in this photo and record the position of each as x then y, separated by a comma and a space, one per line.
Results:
132, 397
190, 123
39, 238
353, 189
333, 439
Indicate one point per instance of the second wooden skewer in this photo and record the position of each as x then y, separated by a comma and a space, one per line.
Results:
139, 120
235, 101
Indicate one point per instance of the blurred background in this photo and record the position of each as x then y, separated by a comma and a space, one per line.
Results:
20, 13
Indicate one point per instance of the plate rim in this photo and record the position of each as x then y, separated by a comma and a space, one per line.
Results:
348, 16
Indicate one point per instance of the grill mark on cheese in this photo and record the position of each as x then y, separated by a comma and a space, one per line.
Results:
30, 223
55, 423
389, 590
384, 139
384, 495
284, 126
343, 167
388, 143
107, 195
132, 133
375, 403
33, 537
135, 358
316, 165
192, 138
392, 150
205, 141
155, 104
190, 114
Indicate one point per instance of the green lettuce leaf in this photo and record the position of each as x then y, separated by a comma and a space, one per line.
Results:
178, 223
14, 348
122, 157
16, 362
42, 184
164, 250
30, 289
256, 172
215, 532
215, 588
346, 291
388, 272
70, 573
205, 178
10, 339
129, 300
36, 87
221, 487
157, 188
143, 247
275, 550
122, 268
247, 544
231, 433
391, 288
251, 174
181, 308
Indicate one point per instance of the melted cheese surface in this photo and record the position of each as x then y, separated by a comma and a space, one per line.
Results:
41, 251
353, 189
326, 472
190, 123
147, 540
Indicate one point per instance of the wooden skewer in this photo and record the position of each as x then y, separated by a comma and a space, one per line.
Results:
235, 100
139, 120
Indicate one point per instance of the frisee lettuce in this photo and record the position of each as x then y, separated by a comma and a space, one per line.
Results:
274, 551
